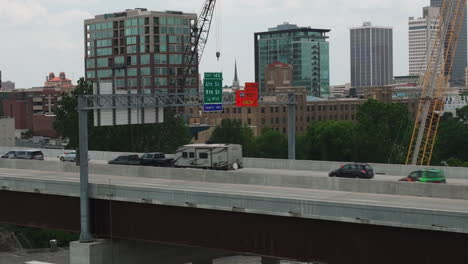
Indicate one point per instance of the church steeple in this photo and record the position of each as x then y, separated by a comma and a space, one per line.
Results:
235, 83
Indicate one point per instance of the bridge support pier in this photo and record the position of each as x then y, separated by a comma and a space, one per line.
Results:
129, 252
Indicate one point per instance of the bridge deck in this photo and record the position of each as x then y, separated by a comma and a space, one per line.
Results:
449, 215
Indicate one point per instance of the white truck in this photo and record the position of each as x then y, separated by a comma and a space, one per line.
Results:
209, 156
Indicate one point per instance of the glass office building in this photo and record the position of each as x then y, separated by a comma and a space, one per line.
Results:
140, 50
306, 49
460, 61
371, 56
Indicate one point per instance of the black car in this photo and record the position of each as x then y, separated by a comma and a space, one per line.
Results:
156, 159
354, 170
126, 160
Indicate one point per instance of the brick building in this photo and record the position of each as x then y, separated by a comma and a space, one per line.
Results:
33, 108
308, 110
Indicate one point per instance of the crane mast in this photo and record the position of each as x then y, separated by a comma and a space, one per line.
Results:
435, 82
193, 53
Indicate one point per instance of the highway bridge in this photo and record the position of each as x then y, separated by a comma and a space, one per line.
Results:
285, 214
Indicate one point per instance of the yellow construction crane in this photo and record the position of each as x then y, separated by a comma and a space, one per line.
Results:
435, 82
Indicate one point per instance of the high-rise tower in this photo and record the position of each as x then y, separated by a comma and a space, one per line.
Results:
371, 56
305, 48
421, 34
460, 59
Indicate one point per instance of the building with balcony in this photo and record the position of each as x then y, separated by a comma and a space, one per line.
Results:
304, 48
140, 50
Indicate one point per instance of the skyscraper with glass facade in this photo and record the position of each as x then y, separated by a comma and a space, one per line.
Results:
371, 56
305, 48
460, 60
140, 50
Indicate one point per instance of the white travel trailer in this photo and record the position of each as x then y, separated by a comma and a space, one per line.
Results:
209, 156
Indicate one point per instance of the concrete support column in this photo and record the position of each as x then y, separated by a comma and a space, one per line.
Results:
270, 261
130, 252
97, 252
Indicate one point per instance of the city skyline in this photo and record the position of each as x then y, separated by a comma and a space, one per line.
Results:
53, 43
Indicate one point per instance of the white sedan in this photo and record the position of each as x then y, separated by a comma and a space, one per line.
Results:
68, 156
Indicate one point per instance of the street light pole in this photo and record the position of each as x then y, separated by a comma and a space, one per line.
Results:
85, 234
291, 126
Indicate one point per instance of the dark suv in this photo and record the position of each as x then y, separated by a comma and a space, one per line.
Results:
126, 160
354, 170
156, 159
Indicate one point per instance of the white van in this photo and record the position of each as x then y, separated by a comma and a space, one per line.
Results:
209, 156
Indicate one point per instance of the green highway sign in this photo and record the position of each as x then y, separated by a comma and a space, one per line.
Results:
213, 91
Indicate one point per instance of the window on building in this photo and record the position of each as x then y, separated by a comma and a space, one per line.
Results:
263, 109
90, 74
249, 110
102, 63
90, 63
132, 49
203, 155
145, 71
119, 60
132, 72
249, 121
132, 83
145, 59
104, 73
119, 73
192, 155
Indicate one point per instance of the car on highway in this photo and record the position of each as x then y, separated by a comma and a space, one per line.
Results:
426, 175
353, 170
68, 156
156, 159
125, 160
8, 155
24, 154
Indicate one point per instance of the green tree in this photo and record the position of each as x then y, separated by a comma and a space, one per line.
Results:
451, 139
328, 140
66, 120
233, 132
382, 132
271, 144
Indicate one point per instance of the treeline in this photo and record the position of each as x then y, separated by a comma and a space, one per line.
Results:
381, 134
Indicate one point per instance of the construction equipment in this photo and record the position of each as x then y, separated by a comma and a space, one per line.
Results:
200, 31
435, 82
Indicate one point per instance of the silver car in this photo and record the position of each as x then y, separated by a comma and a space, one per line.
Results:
68, 156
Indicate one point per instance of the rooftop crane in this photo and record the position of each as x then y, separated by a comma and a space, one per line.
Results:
200, 31
435, 82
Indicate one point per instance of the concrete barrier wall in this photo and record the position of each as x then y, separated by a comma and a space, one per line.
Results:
54, 153
237, 177
387, 169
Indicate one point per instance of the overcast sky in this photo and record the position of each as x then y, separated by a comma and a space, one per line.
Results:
42, 36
